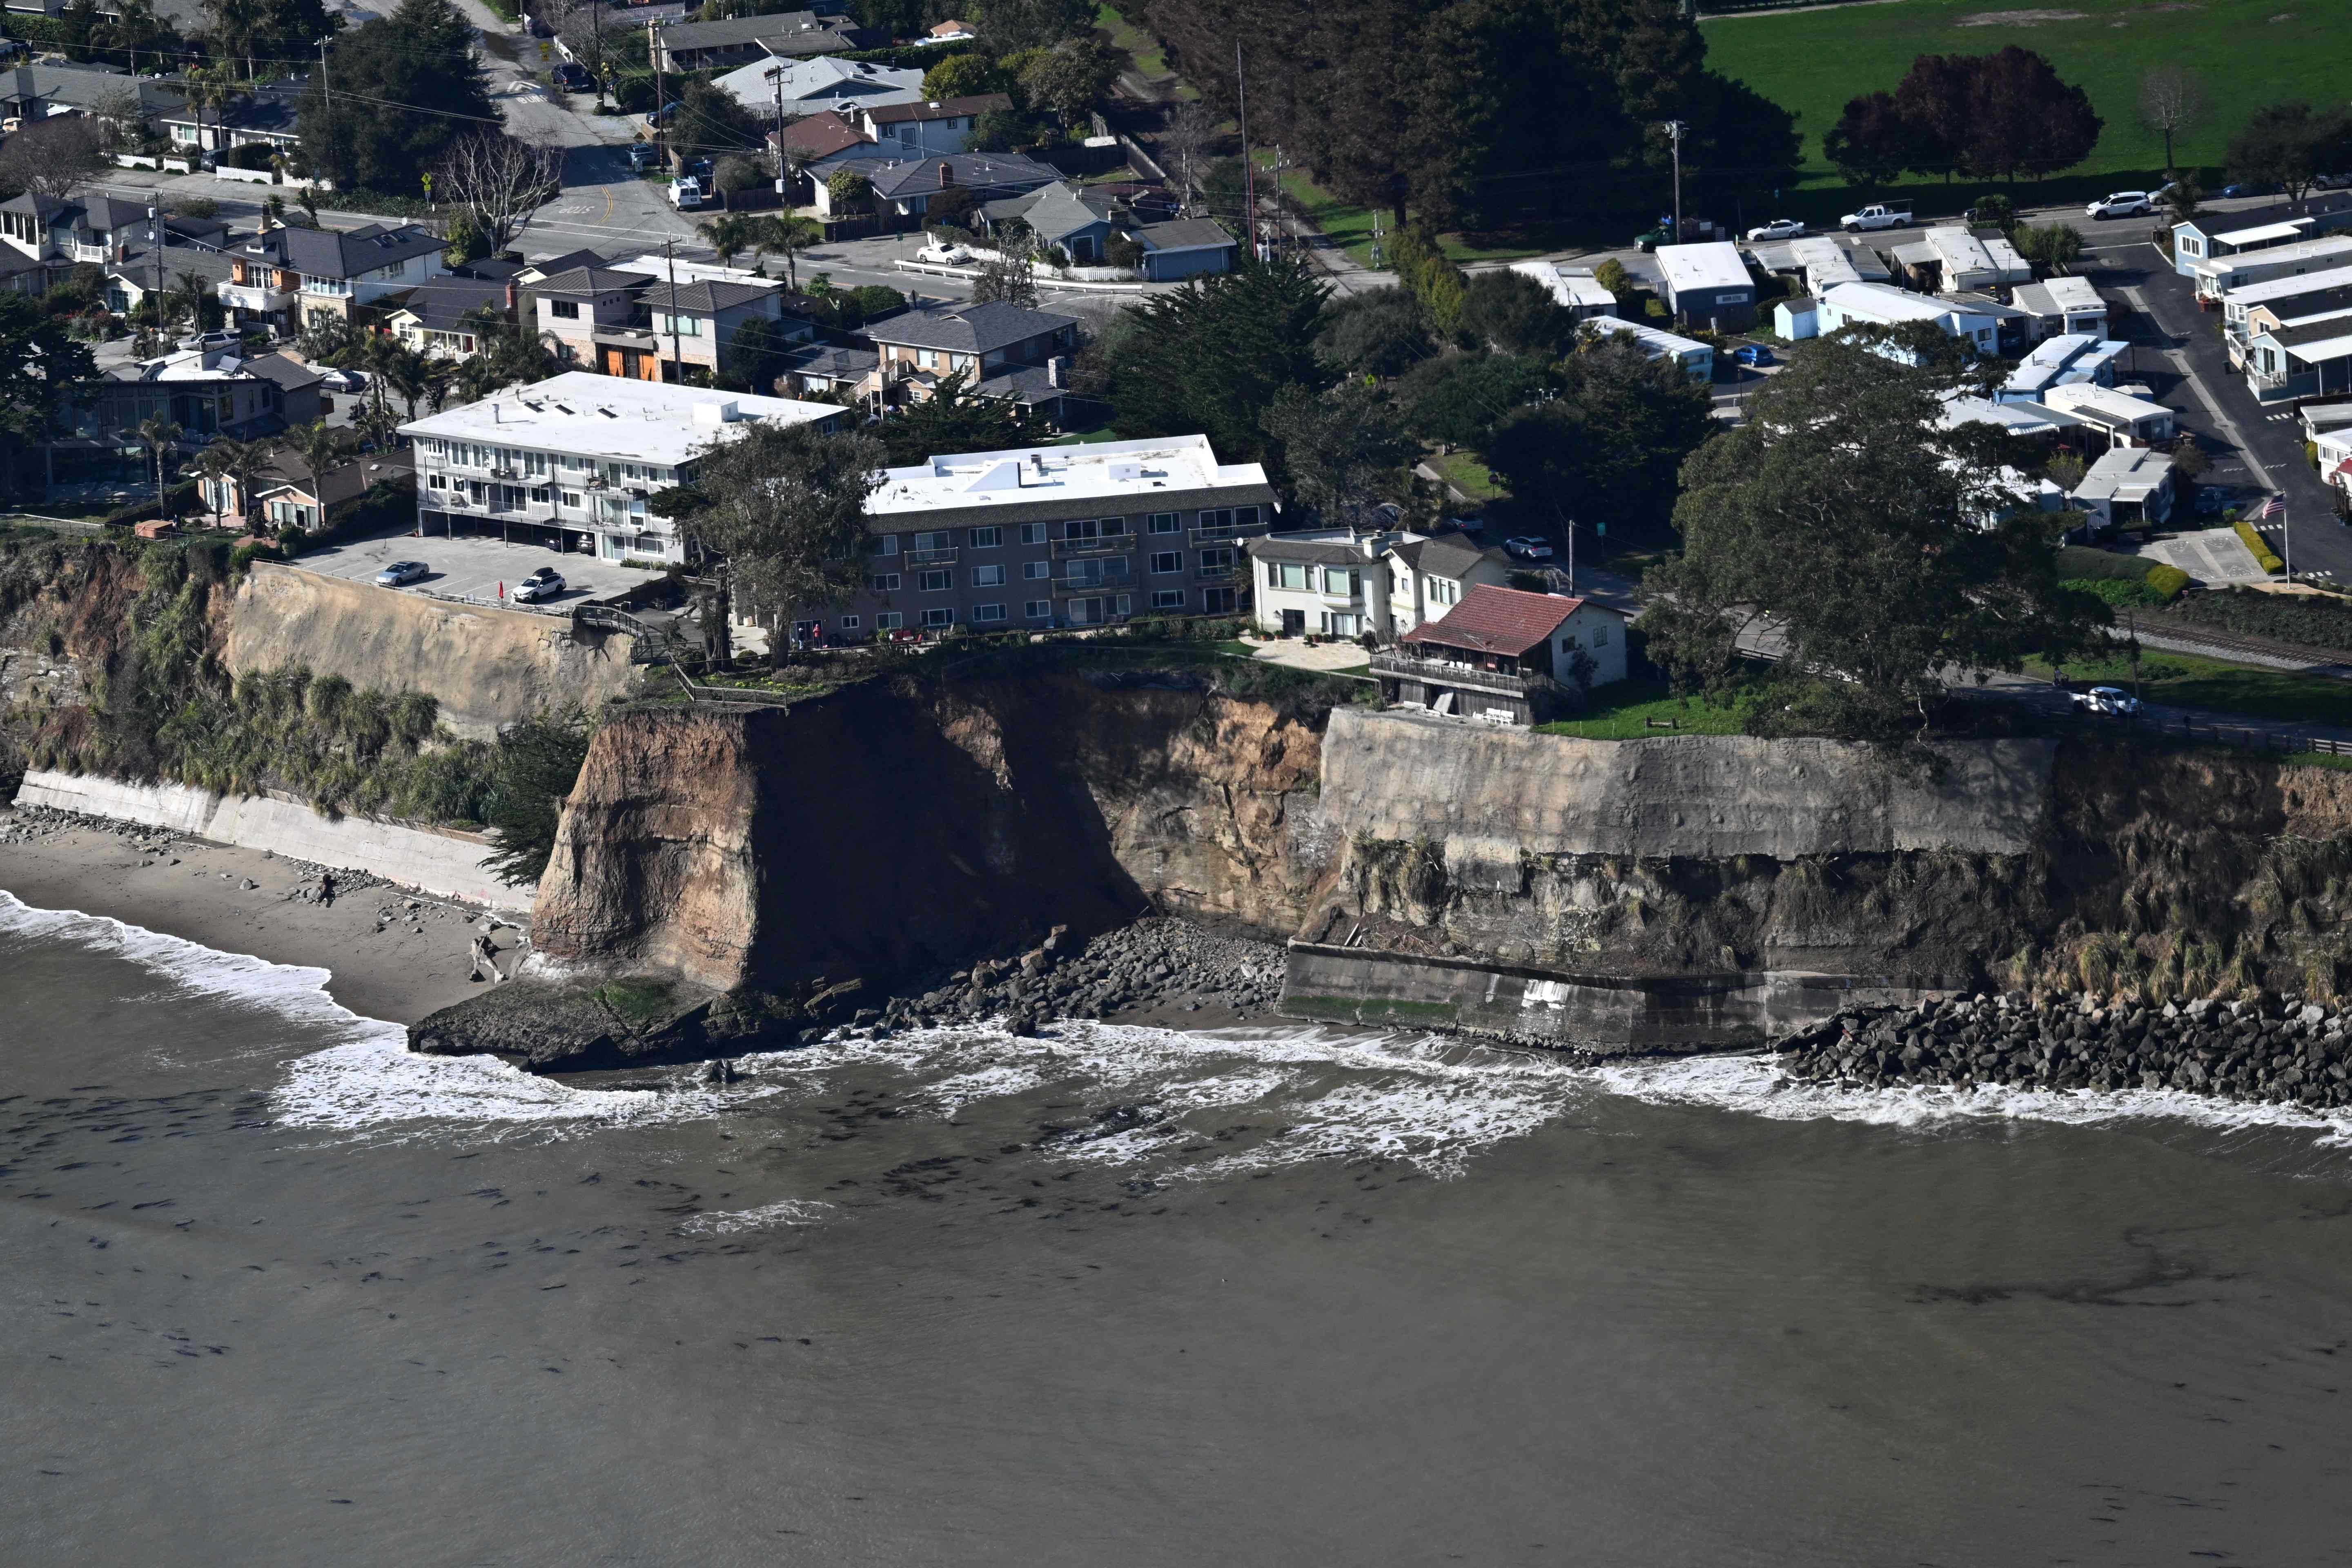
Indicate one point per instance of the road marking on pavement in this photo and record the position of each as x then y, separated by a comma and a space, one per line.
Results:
2189, 373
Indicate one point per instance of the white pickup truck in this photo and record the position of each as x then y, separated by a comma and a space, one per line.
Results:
687, 191
1877, 215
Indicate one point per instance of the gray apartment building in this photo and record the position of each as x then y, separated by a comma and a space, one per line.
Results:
1053, 536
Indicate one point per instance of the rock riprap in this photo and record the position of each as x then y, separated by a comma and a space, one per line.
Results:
2280, 1050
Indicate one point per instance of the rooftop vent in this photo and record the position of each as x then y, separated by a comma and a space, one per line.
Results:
714, 413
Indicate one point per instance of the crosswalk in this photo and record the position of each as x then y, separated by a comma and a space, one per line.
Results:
2280, 418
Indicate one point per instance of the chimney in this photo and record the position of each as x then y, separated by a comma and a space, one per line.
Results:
511, 306
947, 176
1056, 369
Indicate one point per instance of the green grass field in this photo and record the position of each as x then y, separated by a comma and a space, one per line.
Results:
2246, 53
1625, 712
2184, 680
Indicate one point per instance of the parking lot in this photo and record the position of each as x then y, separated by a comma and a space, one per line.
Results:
474, 568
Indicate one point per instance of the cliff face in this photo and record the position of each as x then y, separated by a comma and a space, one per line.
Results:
889, 832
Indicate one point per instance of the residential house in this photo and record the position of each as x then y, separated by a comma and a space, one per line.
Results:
773, 88
1048, 536
207, 393
2069, 359
688, 327
578, 305
814, 145
1506, 656
1696, 358
2310, 359
2123, 419
822, 370
2222, 279
1875, 304
1059, 215
572, 459
443, 318
289, 277
1336, 582
1953, 260
60, 87
2286, 298
1184, 247
287, 493
980, 341
2033, 421
1428, 575
1574, 289
2208, 238
904, 188
949, 32
2129, 489
723, 44
2013, 329
1796, 319
2331, 440
1825, 262
57, 232
264, 114
938, 125
1707, 285
2062, 305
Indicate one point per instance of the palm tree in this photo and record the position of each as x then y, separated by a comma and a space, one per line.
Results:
788, 237
190, 297
440, 381
478, 377
240, 463
159, 436
317, 444
404, 371
210, 86
729, 236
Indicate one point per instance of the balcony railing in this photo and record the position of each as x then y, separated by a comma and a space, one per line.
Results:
1217, 574
1217, 533
1084, 549
1090, 582
928, 557
1462, 676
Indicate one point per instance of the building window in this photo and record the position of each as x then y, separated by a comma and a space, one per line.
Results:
1166, 522
1216, 560
987, 612
1095, 528
849, 623
1286, 574
942, 617
1038, 609
436, 482
1032, 533
885, 544
888, 621
565, 309
988, 576
571, 500
883, 583
987, 537
1339, 579
1032, 571
942, 540
1167, 561
1168, 598
1217, 601
1600, 636
541, 495
938, 581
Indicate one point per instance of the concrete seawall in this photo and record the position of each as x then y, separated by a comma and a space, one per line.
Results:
434, 860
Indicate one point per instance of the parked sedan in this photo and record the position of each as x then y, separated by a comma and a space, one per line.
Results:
2122, 203
1778, 228
2110, 700
2247, 189
400, 572
573, 77
1526, 547
1754, 354
543, 583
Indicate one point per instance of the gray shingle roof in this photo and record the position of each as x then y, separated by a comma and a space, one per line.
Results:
707, 296
330, 253
982, 174
1183, 234
938, 109
968, 329
587, 281
1274, 547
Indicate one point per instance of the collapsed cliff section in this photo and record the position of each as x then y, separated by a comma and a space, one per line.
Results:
896, 831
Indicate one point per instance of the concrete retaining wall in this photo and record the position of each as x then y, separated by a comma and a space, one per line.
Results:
430, 860
1607, 1014
1492, 794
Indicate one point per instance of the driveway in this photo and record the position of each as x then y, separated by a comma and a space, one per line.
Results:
474, 568
2214, 556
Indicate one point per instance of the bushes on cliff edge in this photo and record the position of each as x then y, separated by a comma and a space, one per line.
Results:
538, 762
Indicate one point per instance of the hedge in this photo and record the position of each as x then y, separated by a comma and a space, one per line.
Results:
2123, 593
2263, 556
906, 56
2079, 566
178, 501
2168, 581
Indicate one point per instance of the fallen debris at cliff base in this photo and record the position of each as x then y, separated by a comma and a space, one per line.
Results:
2282, 1050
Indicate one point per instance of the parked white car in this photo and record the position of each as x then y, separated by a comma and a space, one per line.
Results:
2113, 700
2122, 203
944, 255
1778, 228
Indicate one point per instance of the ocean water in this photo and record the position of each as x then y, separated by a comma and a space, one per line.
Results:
275, 1292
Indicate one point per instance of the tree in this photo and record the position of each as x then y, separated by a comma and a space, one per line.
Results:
1184, 145
1460, 398
1072, 78
1933, 100
466, 242
729, 237
502, 179
2291, 145
845, 188
1010, 277
1008, 27
212, 86
2052, 247
1212, 355
754, 356
49, 157
1377, 332
2171, 101
1741, 142
711, 120
954, 419
786, 506
1341, 452
39, 360
786, 237
159, 436
538, 762
405, 88
319, 444
962, 76
1516, 314
2023, 119
274, 30
1611, 444
1878, 546
1872, 141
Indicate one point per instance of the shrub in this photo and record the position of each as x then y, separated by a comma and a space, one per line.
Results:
2263, 556
2120, 592
2166, 580
2308, 619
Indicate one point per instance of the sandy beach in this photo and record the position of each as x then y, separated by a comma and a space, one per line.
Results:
415, 965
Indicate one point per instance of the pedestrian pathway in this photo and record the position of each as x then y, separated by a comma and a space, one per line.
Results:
2215, 556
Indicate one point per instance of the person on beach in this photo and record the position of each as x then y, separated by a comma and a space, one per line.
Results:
486, 957
327, 889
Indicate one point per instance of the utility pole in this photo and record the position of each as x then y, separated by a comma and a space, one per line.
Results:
327, 101
155, 233
596, 15
1675, 128
776, 78
677, 365
661, 96
1249, 173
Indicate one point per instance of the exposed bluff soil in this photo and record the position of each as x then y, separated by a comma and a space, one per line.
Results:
893, 833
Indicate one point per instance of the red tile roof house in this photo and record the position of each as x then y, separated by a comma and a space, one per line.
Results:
1506, 656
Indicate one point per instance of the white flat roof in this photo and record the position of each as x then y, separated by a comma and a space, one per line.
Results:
1713, 264
2105, 400
613, 416
1576, 289
1121, 472
2020, 418
1960, 249
2325, 416
2326, 250
2264, 232
1888, 304
2073, 293
2322, 349
2125, 473
1657, 338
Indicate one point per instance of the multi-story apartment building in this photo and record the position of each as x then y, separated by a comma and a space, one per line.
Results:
1053, 536
572, 459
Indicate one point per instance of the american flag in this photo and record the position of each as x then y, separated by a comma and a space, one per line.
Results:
2274, 507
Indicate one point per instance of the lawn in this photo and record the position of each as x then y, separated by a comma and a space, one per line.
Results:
2183, 681
2246, 53
1351, 228
1467, 473
1151, 59
1625, 711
